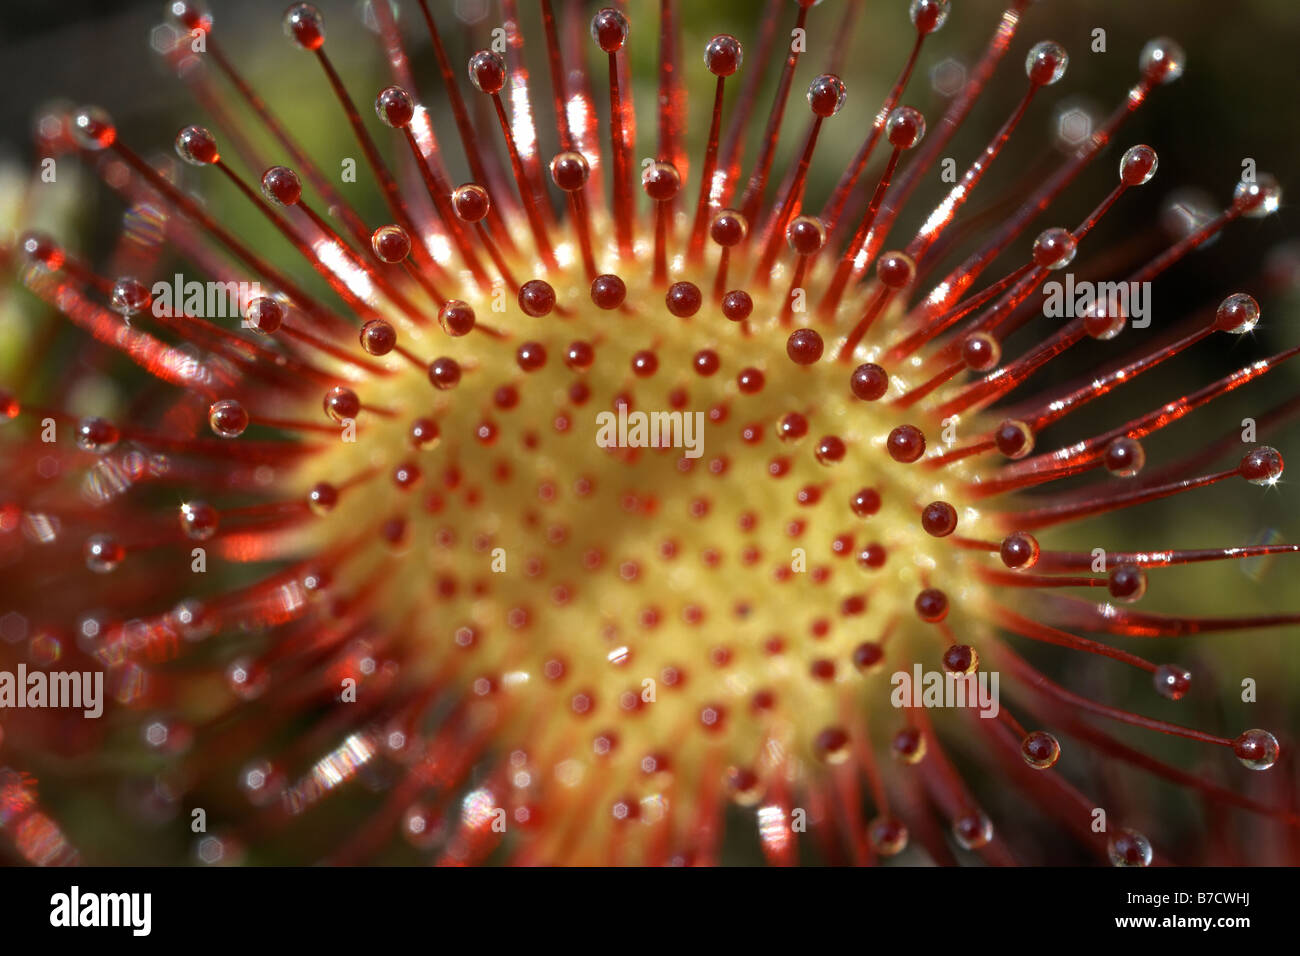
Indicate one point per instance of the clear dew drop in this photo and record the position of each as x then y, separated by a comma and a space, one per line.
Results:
246, 679
888, 836
1138, 165
192, 620
1040, 749
227, 418
1054, 248
103, 553
1257, 749
972, 830
827, 95
93, 129
1129, 848
1046, 62
1261, 197
1124, 457
261, 781
905, 127
1162, 60
304, 25
1171, 681
97, 435
1237, 314
129, 296
929, 15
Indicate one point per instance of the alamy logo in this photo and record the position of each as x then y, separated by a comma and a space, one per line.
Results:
652, 430
946, 689
75, 689
204, 300
1070, 299
74, 908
